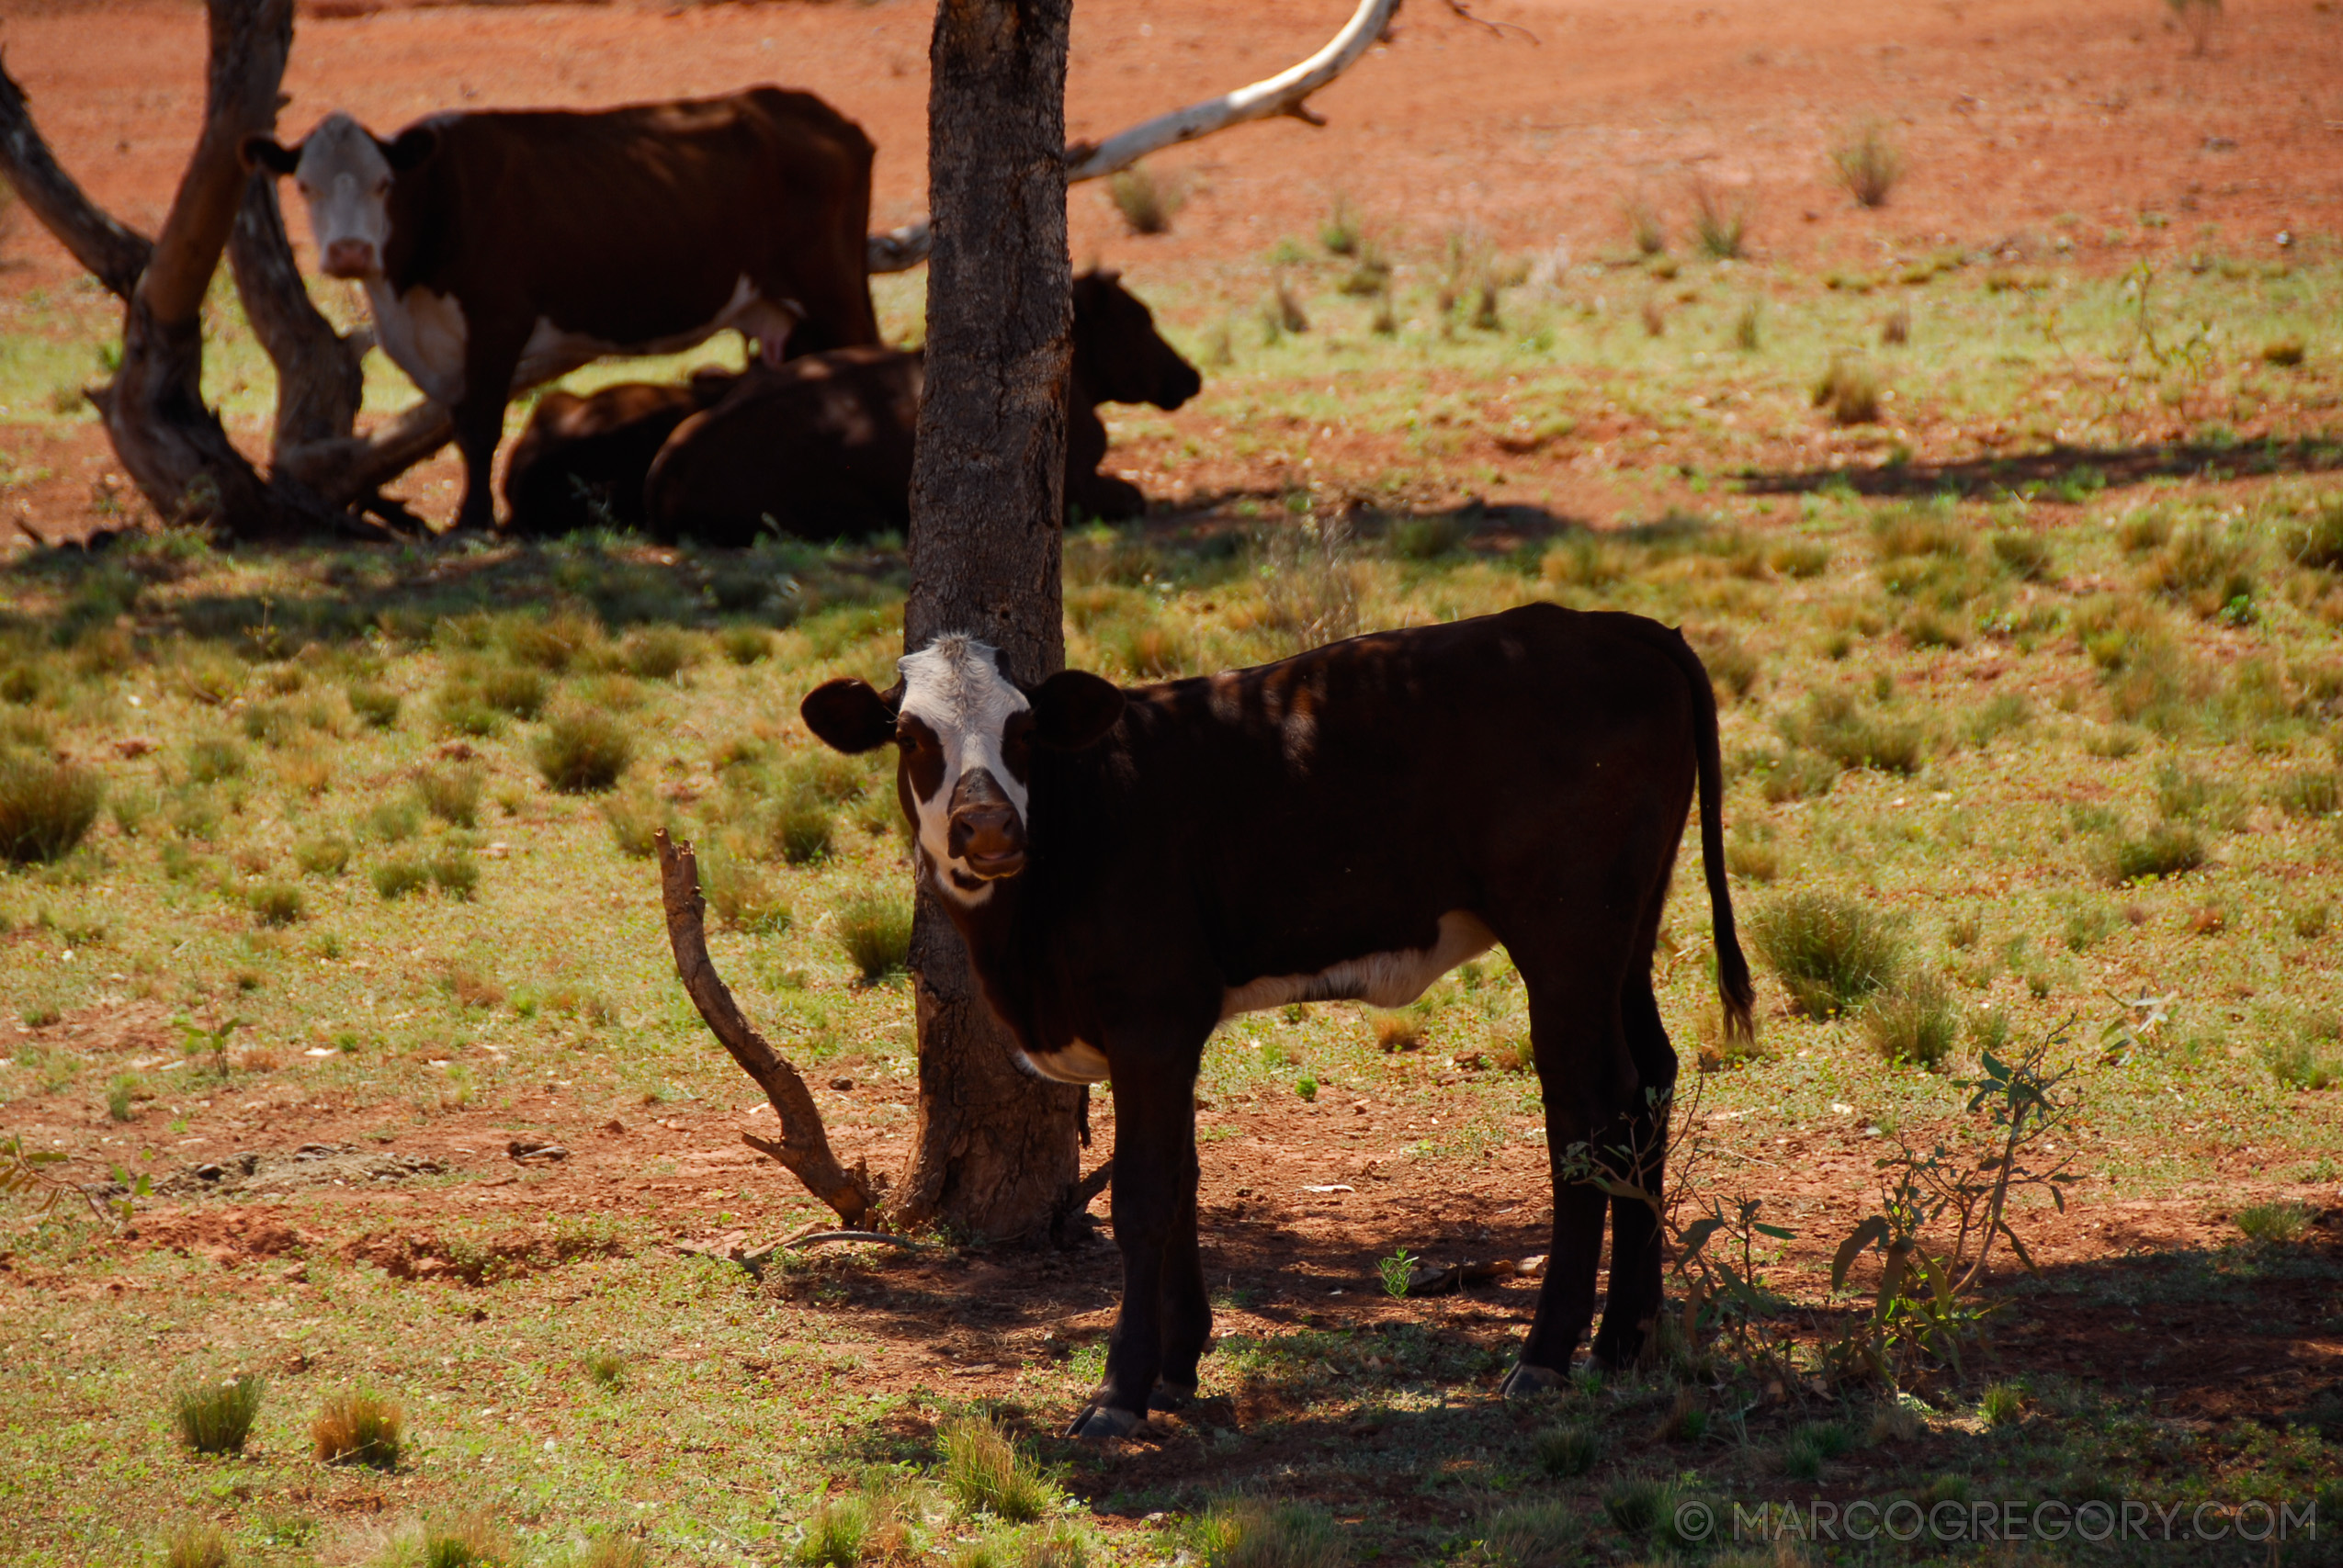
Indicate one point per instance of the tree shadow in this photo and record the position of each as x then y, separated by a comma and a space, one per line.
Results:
2082, 469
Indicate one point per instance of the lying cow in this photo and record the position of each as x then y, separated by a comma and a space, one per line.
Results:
581, 462
1131, 867
823, 446
501, 250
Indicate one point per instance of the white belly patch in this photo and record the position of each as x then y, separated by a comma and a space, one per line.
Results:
1081, 1062
1382, 979
424, 334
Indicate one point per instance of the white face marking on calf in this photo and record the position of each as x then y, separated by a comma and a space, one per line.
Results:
1382, 979
346, 181
955, 687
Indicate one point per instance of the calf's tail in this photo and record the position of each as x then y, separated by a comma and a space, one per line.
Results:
1732, 968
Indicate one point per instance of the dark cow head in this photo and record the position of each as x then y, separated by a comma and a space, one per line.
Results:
345, 176
964, 736
1118, 355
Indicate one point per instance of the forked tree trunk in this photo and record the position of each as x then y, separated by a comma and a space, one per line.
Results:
996, 1152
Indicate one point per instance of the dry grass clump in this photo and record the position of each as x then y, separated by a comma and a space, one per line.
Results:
744, 897
216, 1417
452, 794
46, 806
197, 1546
376, 707
359, 1429
1532, 1535
2277, 1223
1915, 1021
634, 815
1310, 583
513, 689
1720, 222
1830, 951
1646, 228
1834, 724
658, 653
984, 1473
584, 752
2022, 554
555, 642
876, 931
2202, 567
1732, 667
1867, 165
275, 903
1396, 1031
1848, 389
214, 759
2165, 850
1148, 201
1261, 1532
467, 1540
2316, 541
614, 1552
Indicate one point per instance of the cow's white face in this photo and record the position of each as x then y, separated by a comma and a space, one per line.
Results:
965, 735
344, 178
966, 739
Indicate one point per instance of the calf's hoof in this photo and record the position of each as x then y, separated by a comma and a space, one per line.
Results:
1103, 1421
1170, 1395
1528, 1382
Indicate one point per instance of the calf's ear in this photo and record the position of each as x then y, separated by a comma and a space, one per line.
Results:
1073, 709
259, 151
847, 716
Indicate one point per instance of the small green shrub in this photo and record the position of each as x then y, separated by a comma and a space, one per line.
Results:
635, 816
513, 689
1261, 1532
1830, 953
197, 1546
47, 806
983, 1472
1914, 1019
1850, 392
802, 832
1568, 1450
467, 1540
216, 1417
1147, 200
2166, 849
658, 653
275, 903
584, 752
397, 878
455, 873
2023, 555
2277, 1223
1867, 165
876, 931
378, 706
325, 856
213, 759
1835, 725
2002, 1404
1532, 1535
120, 1097
452, 794
359, 1429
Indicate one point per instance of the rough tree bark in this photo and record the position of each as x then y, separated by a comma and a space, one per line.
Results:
996, 1152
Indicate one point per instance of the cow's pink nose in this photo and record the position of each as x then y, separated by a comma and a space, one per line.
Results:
349, 258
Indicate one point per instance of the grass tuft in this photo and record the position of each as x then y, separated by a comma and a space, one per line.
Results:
467, 1540
1147, 200
1915, 1021
1867, 165
46, 806
1850, 392
275, 903
2002, 1404
452, 794
2166, 849
2317, 540
359, 1429
2276, 1223
216, 1417
584, 752
1532, 1535
197, 1546
1566, 1451
1720, 223
984, 1473
1830, 951
1261, 1532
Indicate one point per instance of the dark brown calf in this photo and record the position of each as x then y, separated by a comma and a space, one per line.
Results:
1131, 867
822, 446
580, 463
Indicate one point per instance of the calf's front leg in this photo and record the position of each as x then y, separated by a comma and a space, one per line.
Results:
1154, 1179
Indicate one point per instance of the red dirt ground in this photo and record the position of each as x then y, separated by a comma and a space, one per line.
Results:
2012, 114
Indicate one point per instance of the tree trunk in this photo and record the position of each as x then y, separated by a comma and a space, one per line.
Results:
175, 448
997, 1152
320, 381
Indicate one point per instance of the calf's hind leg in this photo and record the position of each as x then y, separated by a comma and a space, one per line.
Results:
1584, 1076
1632, 1309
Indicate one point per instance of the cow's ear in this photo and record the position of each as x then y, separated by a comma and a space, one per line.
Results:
847, 716
1073, 709
415, 143
267, 152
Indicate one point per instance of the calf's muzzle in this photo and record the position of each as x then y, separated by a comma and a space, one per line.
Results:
987, 834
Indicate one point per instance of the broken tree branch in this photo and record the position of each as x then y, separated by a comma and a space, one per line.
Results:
114, 254
900, 250
804, 1145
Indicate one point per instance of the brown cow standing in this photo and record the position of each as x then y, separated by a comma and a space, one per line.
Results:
499, 250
